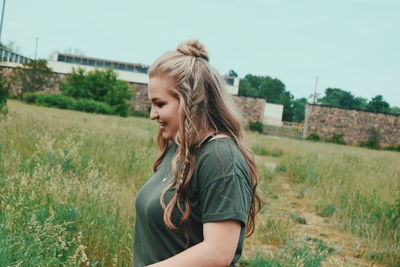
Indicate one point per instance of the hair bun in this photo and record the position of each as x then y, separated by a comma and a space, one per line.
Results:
193, 48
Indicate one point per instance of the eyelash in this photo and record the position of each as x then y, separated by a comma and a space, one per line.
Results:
160, 105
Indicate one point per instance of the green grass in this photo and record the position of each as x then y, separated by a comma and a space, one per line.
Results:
68, 181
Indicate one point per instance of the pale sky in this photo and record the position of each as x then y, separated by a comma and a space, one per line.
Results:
350, 44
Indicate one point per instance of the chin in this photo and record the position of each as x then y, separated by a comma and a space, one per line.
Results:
167, 136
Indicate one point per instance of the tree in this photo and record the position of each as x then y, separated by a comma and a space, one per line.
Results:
232, 73
34, 76
299, 107
395, 110
99, 85
272, 89
378, 104
343, 99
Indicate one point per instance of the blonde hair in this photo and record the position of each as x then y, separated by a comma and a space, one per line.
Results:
204, 107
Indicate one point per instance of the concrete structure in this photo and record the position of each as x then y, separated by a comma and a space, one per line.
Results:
354, 124
10, 56
130, 72
273, 114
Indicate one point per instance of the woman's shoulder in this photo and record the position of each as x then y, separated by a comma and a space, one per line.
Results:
223, 146
220, 154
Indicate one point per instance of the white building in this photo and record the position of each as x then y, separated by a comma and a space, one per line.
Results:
273, 114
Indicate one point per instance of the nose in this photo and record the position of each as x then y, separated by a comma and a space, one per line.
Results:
153, 114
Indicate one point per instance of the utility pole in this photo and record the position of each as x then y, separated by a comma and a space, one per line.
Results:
37, 40
2, 16
315, 91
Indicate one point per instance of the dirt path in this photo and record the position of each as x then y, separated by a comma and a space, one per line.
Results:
348, 249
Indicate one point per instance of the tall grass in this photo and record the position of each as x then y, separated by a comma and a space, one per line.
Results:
68, 181
357, 188
67, 186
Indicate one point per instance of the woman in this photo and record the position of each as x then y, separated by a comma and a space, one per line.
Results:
201, 199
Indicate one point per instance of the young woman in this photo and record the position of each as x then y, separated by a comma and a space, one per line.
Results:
201, 200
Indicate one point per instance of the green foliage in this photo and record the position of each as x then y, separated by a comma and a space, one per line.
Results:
302, 170
343, 99
337, 139
92, 106
325, 210
273, 90
393, 148
232, 73
49, 100
3, 94
313, 137
395, 110
260, 150
101, 86
299, 108
311, 252
34, 76
378, 104
373, 139
298, 219
256, 126
66, 102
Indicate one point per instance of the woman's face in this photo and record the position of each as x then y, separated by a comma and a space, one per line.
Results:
164, 105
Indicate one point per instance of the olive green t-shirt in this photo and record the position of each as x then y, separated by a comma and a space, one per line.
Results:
220, 190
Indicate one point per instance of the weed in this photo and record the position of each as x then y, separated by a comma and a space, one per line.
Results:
313, 137
337, 139
298, 219
373, 139
259, 150
325, 210
256, 126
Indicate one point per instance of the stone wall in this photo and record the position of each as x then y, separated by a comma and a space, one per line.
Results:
354, 124
252, 109
140, 101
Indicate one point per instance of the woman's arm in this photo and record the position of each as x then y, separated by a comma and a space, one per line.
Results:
217, 249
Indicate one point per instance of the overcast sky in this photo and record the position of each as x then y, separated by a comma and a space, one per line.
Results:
350, 44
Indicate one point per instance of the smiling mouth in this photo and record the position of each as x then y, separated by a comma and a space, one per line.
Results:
163, 125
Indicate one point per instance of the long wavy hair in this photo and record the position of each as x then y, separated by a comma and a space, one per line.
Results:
204, 107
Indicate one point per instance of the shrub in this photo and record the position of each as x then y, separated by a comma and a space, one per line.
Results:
313, 137
373, 139
256, 126
101, 86
66, 102
393, 148
89, 105
325, 210
59, 101
337, 139
30, 98
3, 95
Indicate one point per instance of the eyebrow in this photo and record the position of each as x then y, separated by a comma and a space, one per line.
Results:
154, 99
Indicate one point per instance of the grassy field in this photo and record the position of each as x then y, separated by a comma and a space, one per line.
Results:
68, 181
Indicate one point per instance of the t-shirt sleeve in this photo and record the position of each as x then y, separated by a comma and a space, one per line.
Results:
224, 186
